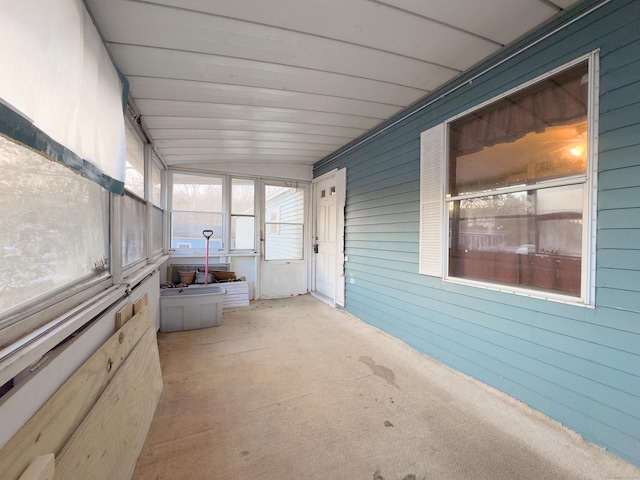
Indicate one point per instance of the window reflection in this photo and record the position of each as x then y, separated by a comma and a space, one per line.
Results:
531, 238
517, 172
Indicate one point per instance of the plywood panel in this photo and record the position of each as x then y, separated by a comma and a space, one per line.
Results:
52, 426
42, 468
107, 443
141, 303
124, 315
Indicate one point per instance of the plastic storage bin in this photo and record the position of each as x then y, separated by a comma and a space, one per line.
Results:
190, 308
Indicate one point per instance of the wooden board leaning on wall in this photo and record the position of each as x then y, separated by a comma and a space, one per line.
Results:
110, 399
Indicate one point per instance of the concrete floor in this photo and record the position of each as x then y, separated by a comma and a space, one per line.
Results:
293, 389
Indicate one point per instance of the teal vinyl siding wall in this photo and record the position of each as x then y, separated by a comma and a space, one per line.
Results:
579, 365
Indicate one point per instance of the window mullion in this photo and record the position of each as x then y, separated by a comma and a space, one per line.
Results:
560, 182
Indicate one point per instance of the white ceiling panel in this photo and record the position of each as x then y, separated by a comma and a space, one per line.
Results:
196, 123
247, 112
222, 152
319, 24
230, 158
190, 91
564, 4
227, 85
207, 143
166, 137
154, 62
187, 30
487, 18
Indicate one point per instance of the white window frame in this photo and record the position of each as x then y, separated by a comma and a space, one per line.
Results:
434, 201
223, 249
228, 192
227, 216
275, 226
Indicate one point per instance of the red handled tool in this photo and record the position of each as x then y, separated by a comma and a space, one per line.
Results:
207, 234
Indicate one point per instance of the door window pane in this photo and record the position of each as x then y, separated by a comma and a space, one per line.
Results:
284, 227
286, 244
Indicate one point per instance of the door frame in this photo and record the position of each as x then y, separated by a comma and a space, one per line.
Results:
296, 266
341, 194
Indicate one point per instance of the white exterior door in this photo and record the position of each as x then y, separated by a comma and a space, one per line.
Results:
325, 241
329, 236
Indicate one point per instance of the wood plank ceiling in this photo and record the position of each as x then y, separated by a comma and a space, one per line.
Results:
249, 85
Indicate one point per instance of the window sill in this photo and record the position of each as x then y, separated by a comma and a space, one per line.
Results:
212, 254
523, 292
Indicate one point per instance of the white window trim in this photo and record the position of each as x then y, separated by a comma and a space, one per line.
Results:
434, 148
231, 215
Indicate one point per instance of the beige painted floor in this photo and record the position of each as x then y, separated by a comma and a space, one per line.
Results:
293, 389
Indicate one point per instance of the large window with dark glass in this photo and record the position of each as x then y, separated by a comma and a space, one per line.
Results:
517, 182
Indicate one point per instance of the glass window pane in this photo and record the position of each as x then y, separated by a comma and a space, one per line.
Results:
156, 182
187, 228
531, 238
134, 219
242, 196
536, 134
55, 226
197, 193
286, 244
286, 202
134, 171
157, 220
284, 214
242, 233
